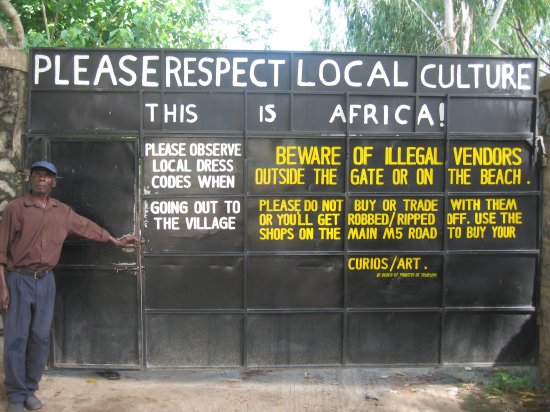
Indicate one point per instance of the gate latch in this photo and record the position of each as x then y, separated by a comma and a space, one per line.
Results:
125, 267
539, 144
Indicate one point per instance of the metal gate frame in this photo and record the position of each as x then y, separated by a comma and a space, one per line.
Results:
339, 316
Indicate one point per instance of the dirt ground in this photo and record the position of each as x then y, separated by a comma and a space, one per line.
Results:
334, 389
326, 389
448, 389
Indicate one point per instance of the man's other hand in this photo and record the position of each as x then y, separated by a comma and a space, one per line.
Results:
127, 241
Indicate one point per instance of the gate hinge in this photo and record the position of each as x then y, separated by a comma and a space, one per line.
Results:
539, 143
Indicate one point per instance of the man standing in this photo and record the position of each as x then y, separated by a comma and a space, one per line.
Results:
32, 231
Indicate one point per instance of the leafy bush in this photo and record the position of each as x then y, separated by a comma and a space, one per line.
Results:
505, 382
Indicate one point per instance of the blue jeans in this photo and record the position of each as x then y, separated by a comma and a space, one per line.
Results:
27, 324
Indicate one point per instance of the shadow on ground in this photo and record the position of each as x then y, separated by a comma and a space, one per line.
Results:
448, 389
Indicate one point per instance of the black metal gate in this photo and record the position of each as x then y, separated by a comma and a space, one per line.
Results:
295, 208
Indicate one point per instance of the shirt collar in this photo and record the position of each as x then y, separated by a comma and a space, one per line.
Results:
29, 201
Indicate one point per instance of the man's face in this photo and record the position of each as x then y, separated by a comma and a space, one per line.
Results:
42, 181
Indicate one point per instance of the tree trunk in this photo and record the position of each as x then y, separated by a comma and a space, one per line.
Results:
467, 19
496, 15
13, 82
450, 44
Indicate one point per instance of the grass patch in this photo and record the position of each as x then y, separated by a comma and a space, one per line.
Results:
505, 383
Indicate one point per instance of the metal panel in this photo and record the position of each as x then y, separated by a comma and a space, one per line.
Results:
294, 339
369, 158
267, 119
490, 281
489, 337
199, 224
372, 283
403, 68
193, 111
194, 340
511, 166
393, 338
281, 223
98, 180
320, 164
194, 282
369, 115
96, 320
280, 282
175, 165
386, 223
515, 229
83, 112
316, 111
481, 75
485, 115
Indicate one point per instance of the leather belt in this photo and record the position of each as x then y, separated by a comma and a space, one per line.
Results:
39, 274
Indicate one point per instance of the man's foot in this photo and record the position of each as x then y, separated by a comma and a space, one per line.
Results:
109, 374
32, 403
15, 407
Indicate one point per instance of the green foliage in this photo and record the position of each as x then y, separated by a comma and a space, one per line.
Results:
507, 383
245, 20
395, 27
330, 35
116, 23
417, 26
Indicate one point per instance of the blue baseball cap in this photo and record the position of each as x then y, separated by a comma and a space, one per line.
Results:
50, 167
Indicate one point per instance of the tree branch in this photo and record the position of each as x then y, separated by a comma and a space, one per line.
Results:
496, 15
519, 33
498, 47
7, 8
45, 20
519, 29
525, 40
428, 18
439, 34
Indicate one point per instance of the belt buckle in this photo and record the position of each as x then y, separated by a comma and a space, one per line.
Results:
39, 275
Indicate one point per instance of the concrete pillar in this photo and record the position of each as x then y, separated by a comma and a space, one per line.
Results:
544, 316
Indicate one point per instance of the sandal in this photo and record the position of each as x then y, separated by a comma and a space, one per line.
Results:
109, 374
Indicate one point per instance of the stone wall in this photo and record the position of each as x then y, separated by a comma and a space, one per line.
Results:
544, 315
13, 96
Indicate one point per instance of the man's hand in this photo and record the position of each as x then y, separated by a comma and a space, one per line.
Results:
4, 292
126, 241
4, 298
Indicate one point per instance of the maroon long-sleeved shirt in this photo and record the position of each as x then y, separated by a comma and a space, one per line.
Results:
32, 237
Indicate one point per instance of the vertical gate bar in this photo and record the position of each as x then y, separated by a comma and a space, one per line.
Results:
537, 295
245, 236
139, 178
345, 302
446, 154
